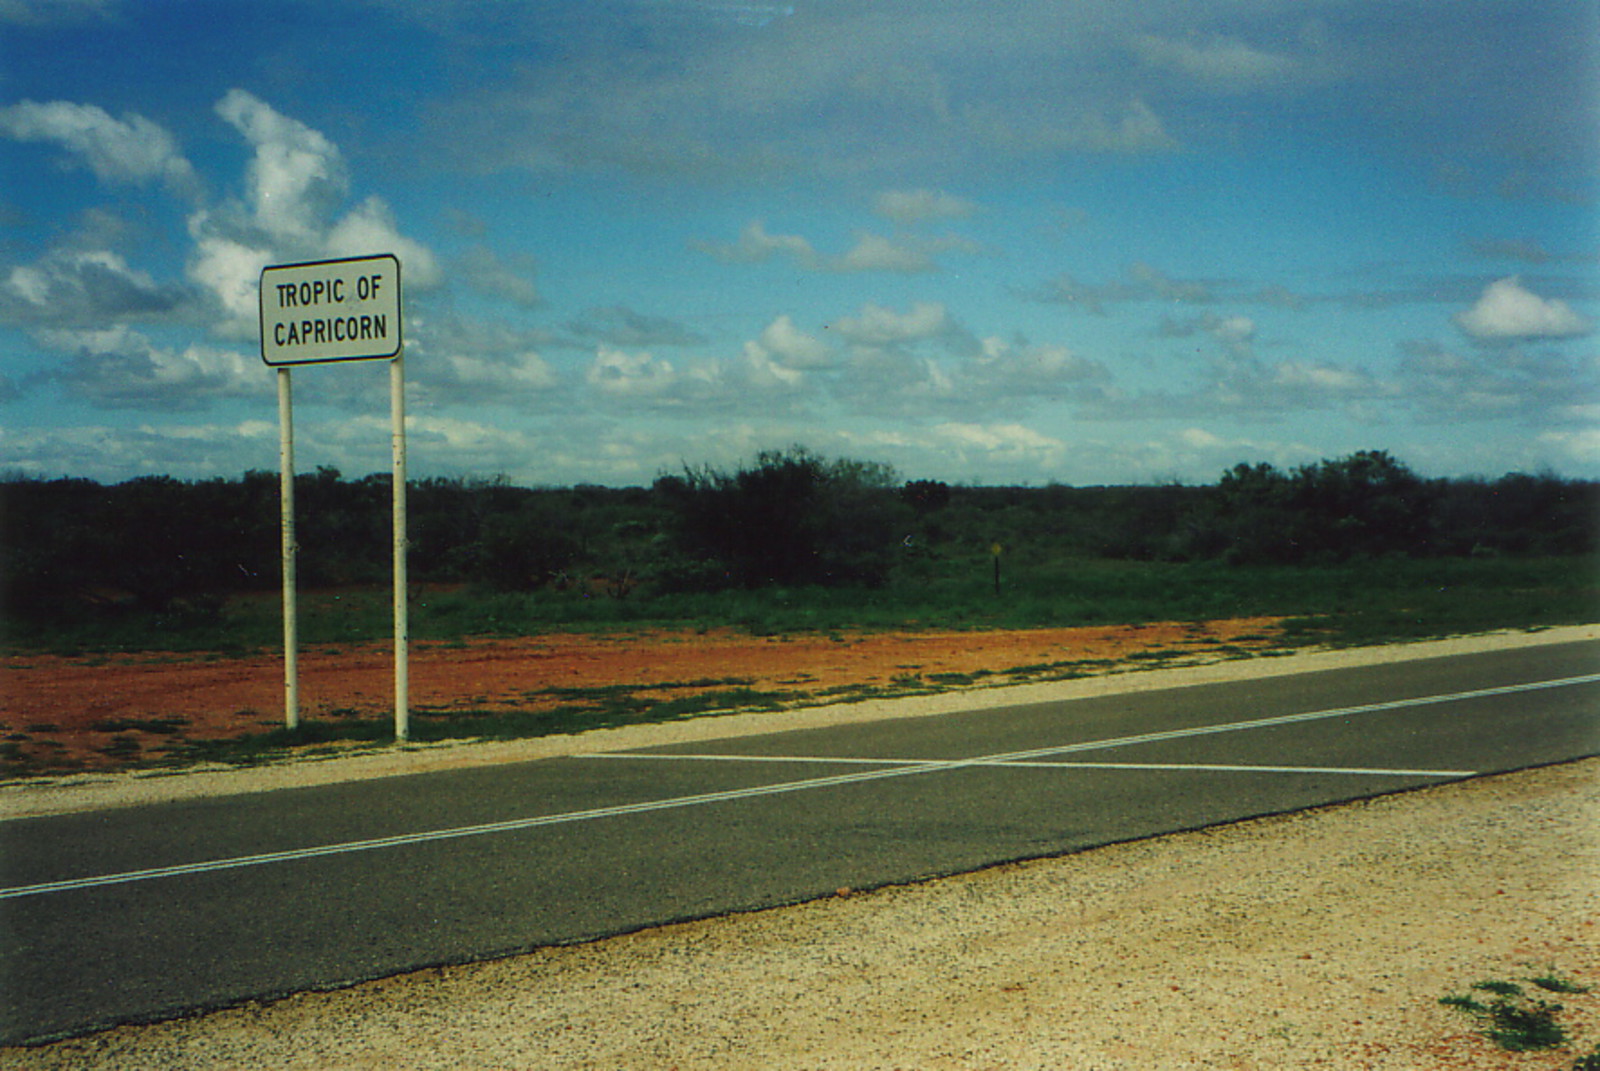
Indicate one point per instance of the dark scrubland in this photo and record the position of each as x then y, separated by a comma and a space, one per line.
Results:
1349, 550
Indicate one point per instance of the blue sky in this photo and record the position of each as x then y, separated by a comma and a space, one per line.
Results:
986, 241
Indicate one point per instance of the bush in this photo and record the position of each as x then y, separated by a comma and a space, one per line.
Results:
1364, 505
791, 519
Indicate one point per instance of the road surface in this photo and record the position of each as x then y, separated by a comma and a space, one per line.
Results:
145, 912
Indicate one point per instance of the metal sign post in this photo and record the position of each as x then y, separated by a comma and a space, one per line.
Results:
402, 659
337, 310
291, 643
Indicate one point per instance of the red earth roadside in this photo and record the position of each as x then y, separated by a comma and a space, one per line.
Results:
106, 711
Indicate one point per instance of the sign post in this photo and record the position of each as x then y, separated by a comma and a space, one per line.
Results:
291, 613
402, 646
316, 313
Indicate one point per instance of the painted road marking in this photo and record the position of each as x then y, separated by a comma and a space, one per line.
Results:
824, 760
701, 799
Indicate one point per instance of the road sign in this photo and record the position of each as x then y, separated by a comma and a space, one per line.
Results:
337, 310
331, 310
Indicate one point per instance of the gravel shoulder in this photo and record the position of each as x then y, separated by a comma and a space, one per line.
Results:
38, 796
1321, 939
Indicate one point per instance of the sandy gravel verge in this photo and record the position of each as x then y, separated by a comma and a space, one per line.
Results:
1322, 939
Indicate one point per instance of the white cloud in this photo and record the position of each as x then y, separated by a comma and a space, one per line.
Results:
755, 245
876, 325
118, 368
131, 149
873, 252
521, 380
1155, 283
1236, 331
53, 12
231, 270
907, 255
1217, 61
87, 287
113, 454
296, 182
1025, 369
483, 270
919, 206
1506, 310
792, 346
370, 229
1580, 447
1004, 443
619, 325
297, 177
1144, 282
1233, 329
619, 373
762, 373
1319, 379
1489, 382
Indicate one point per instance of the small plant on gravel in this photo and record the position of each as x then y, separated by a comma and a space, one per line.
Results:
1512, 1020
1551, 982
1590, 1062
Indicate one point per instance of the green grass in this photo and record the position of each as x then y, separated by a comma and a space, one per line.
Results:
1515, 1021
1351, 604
578, 710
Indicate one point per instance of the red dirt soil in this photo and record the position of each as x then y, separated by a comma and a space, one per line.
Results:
87, 712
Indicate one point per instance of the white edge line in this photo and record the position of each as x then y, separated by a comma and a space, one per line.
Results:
823, 760
513, 825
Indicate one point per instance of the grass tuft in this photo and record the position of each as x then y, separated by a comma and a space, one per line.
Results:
1515, 1021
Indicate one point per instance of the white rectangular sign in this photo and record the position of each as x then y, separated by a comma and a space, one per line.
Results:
331, 310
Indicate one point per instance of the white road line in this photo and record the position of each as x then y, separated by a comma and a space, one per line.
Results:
824, 760
406, 839
910, 769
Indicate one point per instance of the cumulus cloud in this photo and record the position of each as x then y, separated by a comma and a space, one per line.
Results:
230, 270
515, 379
1230, 330
1143, 282
1217, 61
792, 346
484, 270
846, 90
762, 373
113, 454
756, 245
873, 252
371, 228
908, 207
1508, 310
619, 325
296, 183
296, 179
903, 254
1444, 383
1242, 384
54, 12
481, 362
1010, 443
1024, 369
118, 368
131, 149
92, 286
619, 373
876, 325
893, 380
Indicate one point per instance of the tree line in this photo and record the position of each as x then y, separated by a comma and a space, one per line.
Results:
788, 518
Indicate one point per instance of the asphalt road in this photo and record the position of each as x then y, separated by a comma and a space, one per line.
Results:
146, 912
